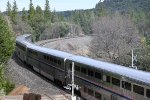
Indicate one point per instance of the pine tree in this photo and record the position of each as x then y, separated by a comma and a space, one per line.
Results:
6, 41
8, 9
39, 11
100, 9
38, 23
14, 15
47, 13
24, 15
54, 17
31, 11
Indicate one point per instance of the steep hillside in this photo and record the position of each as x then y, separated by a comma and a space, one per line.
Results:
125, 5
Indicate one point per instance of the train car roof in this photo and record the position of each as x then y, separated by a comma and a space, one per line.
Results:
134, 74
49, 51
22, 40
130, 73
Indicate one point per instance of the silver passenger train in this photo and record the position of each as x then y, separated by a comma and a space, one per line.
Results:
98, 80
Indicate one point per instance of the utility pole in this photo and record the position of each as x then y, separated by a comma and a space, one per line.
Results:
133, 59
72, 85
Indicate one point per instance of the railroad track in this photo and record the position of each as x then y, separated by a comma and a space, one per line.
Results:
57, 39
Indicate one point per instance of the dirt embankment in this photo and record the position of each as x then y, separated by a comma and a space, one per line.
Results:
76, 45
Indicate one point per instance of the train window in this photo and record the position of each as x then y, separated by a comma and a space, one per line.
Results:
90, 73
108, 79
91, 92
51, 59
83, 70
113, 97
98, 75
47, 57
59, 62
70, 66
98, 96
138, 89
148, 93
30, 51
104, 98
55, 61
85, 89
126, 85
21, 47
44, 56
77, 68
115, 81
33, 52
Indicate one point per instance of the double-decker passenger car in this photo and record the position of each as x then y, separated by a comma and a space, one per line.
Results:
98, 80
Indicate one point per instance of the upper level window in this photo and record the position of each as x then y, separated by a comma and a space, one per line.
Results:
83, 70
47, 57
108, 79
148, 93
33, 52
90, 73
21, 47
77, 68
115, 81
51, 59
55, 61
126, 85
138, 89
59, 62
44, 56
98, 75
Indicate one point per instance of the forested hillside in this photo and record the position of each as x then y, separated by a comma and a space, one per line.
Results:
126, 5
138, 12
120, 26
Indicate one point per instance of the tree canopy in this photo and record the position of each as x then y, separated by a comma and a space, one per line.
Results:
6, 40
6, 50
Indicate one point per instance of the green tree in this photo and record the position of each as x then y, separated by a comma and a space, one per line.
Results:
31, 13
6, 41
5, 84
6, 50
54, 17
24, 15
39, 11
100, 9
14, 15
148, 41
8, 9
38, 24
143, 58
83, 19
47, 12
